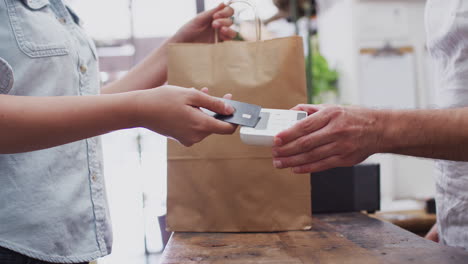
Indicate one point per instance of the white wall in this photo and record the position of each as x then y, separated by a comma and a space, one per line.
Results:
345, 28
338, 44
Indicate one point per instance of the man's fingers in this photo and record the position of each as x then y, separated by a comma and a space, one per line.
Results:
289, 135
314, 155
225, 12
205, 90
433, 234
310, 109
228, 96
325, 164
306, 126
301, 145
211, 103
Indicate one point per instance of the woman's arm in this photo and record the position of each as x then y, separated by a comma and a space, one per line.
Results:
33, 123
152, 71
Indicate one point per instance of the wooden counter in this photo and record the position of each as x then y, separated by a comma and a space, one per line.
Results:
334, 238
416, 221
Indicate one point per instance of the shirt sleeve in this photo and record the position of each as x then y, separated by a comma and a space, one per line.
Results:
6, 77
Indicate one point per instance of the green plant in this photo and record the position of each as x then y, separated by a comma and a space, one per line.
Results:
324, 80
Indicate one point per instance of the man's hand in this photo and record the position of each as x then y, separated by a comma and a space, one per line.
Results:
433, 234
332, 136
201, 28
174, 112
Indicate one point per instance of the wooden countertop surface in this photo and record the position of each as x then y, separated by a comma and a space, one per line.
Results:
334, 238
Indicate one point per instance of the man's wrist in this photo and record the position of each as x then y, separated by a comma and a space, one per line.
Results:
386, 129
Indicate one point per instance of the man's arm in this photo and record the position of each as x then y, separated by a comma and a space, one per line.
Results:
33, 123
438, 134
433, 234
152, 71
335, 136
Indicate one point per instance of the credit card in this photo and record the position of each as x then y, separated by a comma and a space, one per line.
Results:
245, 114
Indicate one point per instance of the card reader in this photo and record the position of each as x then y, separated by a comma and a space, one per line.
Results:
272, 121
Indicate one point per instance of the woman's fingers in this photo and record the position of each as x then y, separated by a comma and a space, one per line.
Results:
222, 22
207, 91
227, 33
226, 12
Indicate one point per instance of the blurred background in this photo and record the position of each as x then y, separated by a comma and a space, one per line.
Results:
360, 52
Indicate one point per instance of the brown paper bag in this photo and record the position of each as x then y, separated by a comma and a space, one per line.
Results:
221, 184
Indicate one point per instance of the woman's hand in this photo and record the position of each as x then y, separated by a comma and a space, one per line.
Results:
32, 123
175, 112
201, 28
226, 96
152, 72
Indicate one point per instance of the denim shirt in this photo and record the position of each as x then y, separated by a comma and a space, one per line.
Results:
52, 202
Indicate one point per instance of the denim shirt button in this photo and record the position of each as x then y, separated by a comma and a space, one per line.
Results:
94, 177
62, 20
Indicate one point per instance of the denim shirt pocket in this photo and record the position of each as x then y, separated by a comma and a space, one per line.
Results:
36, 28
6, 77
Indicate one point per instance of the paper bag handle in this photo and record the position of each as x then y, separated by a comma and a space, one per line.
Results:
258, 23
